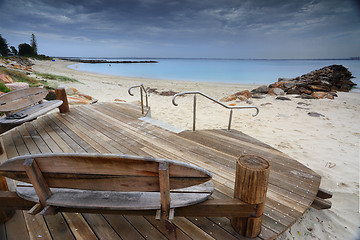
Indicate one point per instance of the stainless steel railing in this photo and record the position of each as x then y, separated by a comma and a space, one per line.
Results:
142, 90
214, 100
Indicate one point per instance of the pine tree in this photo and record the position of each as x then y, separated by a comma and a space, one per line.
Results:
33, 43
4, 49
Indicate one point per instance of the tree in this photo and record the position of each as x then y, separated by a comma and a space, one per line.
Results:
13, 50
4, 49
25, 50
33, 43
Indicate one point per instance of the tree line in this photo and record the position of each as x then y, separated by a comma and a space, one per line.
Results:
24, 49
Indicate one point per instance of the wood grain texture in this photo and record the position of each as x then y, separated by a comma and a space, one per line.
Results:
106, 172
61, 95
115, 128
32, 112
22, 98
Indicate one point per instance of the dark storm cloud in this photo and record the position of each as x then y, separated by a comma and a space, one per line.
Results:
182, 22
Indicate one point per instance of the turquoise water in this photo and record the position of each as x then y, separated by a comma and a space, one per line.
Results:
214, 70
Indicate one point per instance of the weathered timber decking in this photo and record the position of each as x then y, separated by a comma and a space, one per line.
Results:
114, 128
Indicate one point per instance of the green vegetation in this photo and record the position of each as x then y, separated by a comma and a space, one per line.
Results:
56, 77
4, 88
18, 76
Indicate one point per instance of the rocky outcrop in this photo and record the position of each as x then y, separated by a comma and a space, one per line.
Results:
328, 79
314, 85
322, 83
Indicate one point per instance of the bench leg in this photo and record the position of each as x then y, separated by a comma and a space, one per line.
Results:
5, 215
5, 128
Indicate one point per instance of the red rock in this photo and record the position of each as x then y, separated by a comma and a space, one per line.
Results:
84, 95
119, 100
77, 100
242, 98
232, 104
319, 88
245, 93
276, 91
304, 90
320, 95
5, 78
228, 98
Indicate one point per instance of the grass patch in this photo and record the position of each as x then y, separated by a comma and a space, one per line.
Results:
4, 88
56, 77
18, 76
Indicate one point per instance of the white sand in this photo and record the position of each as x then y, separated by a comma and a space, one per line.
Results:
329, 145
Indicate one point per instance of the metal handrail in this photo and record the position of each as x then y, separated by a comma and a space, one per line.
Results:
146, 91
214, 100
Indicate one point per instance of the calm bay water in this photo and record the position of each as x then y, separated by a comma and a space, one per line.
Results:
215, 70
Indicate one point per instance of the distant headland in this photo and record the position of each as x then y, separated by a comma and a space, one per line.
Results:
106, 61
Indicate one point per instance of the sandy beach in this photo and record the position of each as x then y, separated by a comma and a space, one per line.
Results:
328, 144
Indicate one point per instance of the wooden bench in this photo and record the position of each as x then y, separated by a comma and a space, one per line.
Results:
24, 105
123, 184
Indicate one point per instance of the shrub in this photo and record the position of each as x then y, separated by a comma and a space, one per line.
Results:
4, 88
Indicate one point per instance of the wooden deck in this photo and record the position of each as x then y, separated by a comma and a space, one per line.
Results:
115, 128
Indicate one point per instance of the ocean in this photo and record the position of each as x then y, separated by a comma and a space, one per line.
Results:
217, 70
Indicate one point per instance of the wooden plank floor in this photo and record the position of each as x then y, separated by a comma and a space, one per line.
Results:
114, 128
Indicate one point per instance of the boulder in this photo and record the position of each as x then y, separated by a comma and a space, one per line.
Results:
77, 100
305, 91
228, 98
320, 95
242, 98
262, 89
283, 98
245, 93
84, 95
315, 114
17, 85
282, 79
276, 91
5, 78
293, 90
319, 88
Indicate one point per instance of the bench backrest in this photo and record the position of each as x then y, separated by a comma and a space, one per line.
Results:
105, 172
22, 98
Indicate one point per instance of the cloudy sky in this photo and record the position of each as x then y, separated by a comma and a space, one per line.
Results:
185, 28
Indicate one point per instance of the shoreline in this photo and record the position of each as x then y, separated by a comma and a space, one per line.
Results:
328, 145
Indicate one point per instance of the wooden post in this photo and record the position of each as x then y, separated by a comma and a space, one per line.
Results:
5, 215
61, 95
164, 183
251, 182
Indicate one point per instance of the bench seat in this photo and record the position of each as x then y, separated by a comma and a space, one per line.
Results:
32, 112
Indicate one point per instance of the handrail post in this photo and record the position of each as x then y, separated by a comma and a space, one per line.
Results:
146, 97
142, 88
194, 115
230, 118
142, 101
214, 100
